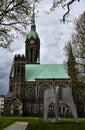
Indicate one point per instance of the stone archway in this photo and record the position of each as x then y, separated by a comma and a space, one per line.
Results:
16, 108
16, 111
42, 88
61, 85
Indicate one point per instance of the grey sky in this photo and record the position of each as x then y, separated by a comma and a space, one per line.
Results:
53, 36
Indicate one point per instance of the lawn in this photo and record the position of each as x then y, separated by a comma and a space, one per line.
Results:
39, 124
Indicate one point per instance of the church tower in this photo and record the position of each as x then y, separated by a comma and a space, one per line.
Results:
32, 45
17, 76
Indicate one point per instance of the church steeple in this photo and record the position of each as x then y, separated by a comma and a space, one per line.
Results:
32, 43
33, 26
71, 63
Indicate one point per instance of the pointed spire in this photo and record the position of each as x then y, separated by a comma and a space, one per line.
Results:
33, 33
71, 56
33, 26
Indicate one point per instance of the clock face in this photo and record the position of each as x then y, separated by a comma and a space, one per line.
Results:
32, 42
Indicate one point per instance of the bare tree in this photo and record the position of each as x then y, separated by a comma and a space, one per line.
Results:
14, 16
63, 3
78, 44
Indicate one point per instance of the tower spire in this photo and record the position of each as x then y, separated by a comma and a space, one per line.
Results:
33, 42
33, 26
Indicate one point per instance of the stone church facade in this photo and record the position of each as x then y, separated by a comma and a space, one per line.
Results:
28, 80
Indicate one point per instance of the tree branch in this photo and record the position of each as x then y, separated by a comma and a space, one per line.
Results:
68, 7
15, 23
9, 9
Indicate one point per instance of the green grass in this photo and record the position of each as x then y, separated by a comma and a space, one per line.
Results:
39, 124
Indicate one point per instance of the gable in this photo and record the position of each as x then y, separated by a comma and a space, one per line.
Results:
16, 102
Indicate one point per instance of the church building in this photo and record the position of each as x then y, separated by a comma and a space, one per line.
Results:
28, 79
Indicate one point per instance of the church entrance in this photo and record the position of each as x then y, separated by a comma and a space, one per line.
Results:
16, 108
16, 111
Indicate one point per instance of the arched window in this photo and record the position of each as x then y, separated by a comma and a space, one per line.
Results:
42, 89
31, 55
22, 70
30, 93
62, 85
15, 70
18, 69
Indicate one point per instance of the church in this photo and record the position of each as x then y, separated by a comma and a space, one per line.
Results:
28, 80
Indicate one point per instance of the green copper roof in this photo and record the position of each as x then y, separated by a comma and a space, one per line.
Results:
45, 71
32, 34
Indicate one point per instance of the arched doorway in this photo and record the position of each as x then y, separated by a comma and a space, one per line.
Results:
16, 108
16, 111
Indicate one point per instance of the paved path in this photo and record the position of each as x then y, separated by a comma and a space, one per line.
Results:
17, 126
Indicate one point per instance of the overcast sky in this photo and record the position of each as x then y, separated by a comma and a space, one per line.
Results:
53, 36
